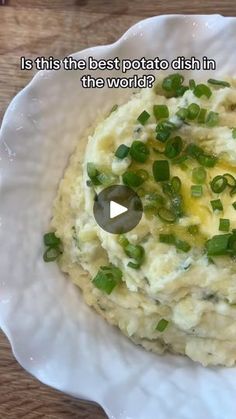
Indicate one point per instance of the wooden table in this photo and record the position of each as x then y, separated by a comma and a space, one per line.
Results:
58, 27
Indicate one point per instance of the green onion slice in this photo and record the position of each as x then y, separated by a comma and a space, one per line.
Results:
218, 184
202, 90
234, 205
182, 245
172, 83
160, 111
51, 240
123, 241
173, 147
217, 205
166, 215
167, 238
134, 251
196, 191
193, 111
218, 83
207, 160
132, 179
224, 224
139, 151
162, 325
199, 175
234, 133
202, 116
164, 130
192, 84
51, 254
134, 265
182, 113
212, 119
122, 151
107, 278
161, 170
176, 184
231, 181
218, 245
93, 173
143, 117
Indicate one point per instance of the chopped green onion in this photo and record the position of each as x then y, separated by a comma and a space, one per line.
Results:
181, 90
182, 245
182, 113
166, 215
218, 83
176, 184
164, 130
193, 150
234, 133
161, 170
224, 224
218, 184
217, 205
179, 160
196, 191
162, 325
160, 111
143, 174
122, 151
193, 111
199, 175
193, 229
167, 238
212, 119
134, 265
51, 254
202, 116
139, 151
107, 278
134, 251
106, 178
123, 241
207, 160
51, 240
173, 147
143, 117
218, 245
93, 173
192, 84
172, 83
197, 153
131, 179
231, 181
202, 90
234, 205
113, 109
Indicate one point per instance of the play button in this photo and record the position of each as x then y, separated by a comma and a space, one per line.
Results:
117, 209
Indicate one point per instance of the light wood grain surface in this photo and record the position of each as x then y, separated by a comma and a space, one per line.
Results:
42, 28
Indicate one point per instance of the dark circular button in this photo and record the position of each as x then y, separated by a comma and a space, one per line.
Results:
117, 209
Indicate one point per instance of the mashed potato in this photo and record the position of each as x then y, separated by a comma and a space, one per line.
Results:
170, 283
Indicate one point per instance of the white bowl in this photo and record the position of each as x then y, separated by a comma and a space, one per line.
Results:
54, 335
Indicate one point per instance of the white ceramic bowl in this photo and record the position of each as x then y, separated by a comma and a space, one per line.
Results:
54, 335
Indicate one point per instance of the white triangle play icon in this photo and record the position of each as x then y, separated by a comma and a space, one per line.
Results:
116, 209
